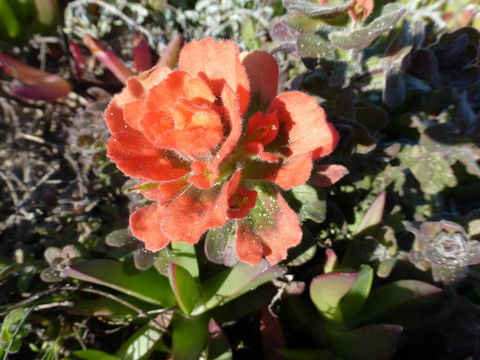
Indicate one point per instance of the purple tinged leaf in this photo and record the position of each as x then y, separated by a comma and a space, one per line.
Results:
327, 9
330, 262
272, 334
172, 51
327, 290
39, 85
108, 58
218, 347
362, 38
327, 175
373, 216
141, 54
395, 89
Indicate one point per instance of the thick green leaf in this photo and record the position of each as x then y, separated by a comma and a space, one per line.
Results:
373, 216
327, 290
362, 38
184, 287
234, 282
373, 342
313, 203
316, 9
314, 45
394, 295
351, 303
220, 245
12, 330
431, 169
306, 354
141, 344
147, 285
189, 337
186, 257
91, 354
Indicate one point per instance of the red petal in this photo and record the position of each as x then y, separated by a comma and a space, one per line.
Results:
248, 245
232, 114
327, 175
294, 172
304, 124
195, 212
179, 116
263, 128
258, 149
286, 234
218, 63
145, 226
166, 191
136, 157
262, 71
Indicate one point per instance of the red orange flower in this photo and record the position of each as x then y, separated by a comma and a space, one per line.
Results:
181, 133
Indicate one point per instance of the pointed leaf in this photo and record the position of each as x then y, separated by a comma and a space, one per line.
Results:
329, 8
327, 290
234, 282
39, 85
373, 216
186, 257
113, 274
218, 347
313, 203
327, 175
373, 342
351, 303
92, 354
363, 37
108, 58
184, 288
394, 295
141, 344
141, 54
189, 337
172, 51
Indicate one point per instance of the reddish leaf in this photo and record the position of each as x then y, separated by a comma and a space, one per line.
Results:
172, 52
108, 58
39, 85
327, 175
141, 54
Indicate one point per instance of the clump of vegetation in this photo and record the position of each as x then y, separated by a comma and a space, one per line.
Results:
388, 260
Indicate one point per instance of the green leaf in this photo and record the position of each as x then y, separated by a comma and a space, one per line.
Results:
141, 344
184, 287
220, 245
362, 38
394, 295
327, 290
249, 34
218, 347
373, 216
91, 354
431, 169
147, 285
313, 203
314, 45
189, 337
234, 282
8, 20
186, 257
315, 9
373, 342
12, 330
352, 302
